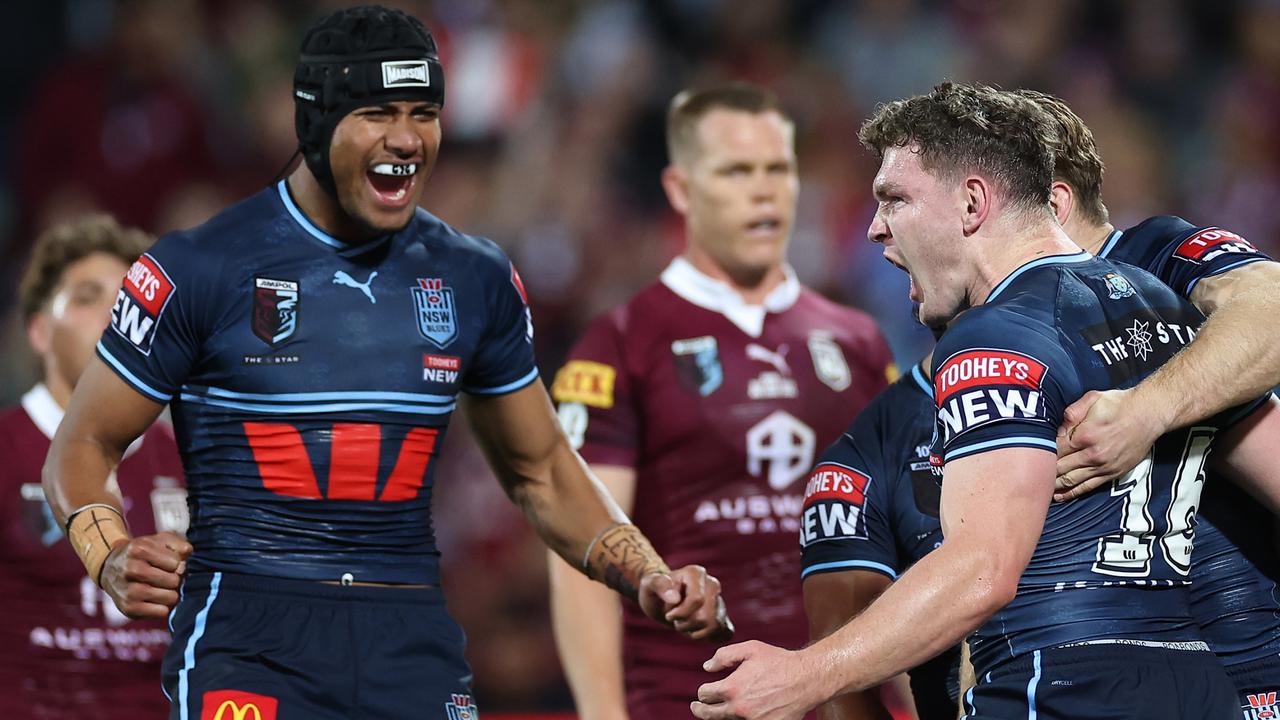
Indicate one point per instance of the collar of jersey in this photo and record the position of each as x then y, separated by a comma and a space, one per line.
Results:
917, 374
702, 290
1068, 259
1110, 244
47, 414
299, 217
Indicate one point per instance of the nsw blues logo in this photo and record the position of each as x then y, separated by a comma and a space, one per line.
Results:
434, 307
461, 707
275, 309
1118, 287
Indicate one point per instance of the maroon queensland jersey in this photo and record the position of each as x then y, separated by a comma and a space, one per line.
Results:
720, 407
67, 651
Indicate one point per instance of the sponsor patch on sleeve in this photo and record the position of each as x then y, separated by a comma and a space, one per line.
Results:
141, 301
977, 387
1212, 243
834, 499
587, 382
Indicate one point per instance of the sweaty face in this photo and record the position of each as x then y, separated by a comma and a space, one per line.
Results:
919, 221
741, 185
381, 156
79, 311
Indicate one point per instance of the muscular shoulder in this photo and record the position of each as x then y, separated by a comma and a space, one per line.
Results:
474, 252
851, 322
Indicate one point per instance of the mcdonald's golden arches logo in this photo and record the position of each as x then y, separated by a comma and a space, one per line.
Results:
237, 705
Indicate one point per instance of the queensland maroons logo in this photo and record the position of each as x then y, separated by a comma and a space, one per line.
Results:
275, 309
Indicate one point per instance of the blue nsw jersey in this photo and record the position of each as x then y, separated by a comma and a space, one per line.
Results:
312, 381
1233, 577
1112, 565
872, 503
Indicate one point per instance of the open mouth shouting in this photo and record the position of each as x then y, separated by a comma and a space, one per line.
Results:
914, 292
393, 183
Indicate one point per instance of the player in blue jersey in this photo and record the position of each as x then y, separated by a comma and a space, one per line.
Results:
1234, 598
871, 511
1080, 609
312, 341
1236, 565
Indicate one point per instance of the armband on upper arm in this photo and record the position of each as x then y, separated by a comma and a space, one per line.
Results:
619, 556
94, 531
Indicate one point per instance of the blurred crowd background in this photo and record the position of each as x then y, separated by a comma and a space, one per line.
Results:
163, 111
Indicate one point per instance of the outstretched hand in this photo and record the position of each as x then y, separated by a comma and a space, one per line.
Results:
142, 575
1103, 436
769, 683
687, 599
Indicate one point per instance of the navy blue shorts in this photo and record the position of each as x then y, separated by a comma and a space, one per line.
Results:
1093, 682
299, 650
1258, 683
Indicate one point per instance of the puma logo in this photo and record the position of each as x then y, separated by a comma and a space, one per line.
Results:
777, 359
342, 278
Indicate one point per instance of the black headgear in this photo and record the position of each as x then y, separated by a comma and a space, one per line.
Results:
357, 57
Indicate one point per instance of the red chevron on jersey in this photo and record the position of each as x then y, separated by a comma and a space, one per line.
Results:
975, 368
1209, 244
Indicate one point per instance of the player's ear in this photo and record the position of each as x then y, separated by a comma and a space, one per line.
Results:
675, 182
38, 333
1063, 200
977, 203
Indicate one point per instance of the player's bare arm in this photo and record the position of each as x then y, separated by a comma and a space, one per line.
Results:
140, 574
1246, 453
588, 621
831, 600
993, 510
1234, 357
578, 519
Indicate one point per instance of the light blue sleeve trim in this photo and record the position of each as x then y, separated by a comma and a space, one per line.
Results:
1192, 285
502, 389
132, 379
1023, 441
850, 565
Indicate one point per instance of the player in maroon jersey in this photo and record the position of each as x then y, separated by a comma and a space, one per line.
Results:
702, 403
66, 646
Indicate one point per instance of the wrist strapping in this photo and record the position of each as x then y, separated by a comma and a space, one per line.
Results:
94, 530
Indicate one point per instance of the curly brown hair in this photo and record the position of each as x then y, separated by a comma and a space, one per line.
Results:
690, 106
961, 128
1076, 162
68, 242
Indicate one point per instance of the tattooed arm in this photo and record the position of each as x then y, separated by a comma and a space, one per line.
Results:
579, 520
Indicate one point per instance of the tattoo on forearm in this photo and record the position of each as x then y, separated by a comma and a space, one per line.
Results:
620, 556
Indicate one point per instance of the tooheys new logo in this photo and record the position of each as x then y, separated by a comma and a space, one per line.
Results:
976, 387
834, 499
1211, 243
140, 302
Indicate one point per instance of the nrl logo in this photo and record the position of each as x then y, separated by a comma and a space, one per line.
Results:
405, 73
